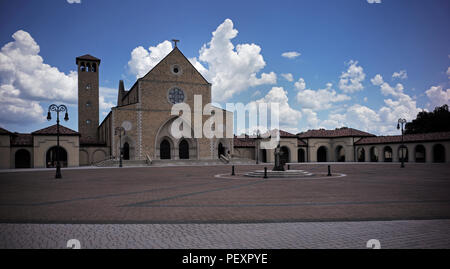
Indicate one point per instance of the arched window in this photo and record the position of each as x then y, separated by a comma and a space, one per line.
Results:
340, 154
438, 153
264, 155
420, 154
53, 154
220, 150
23, 159
387, 154
374, 154
301, 155
83, 67
361, 155
403, 153
164, 149
322, 154
285, 156
183, 149
88, 67
126, 151
94, 67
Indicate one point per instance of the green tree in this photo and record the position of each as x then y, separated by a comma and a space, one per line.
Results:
428, 122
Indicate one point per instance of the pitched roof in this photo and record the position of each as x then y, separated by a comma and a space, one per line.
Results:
52, 130
87, 57
285, 134
338, 132
21, 140
246, 142
438, 136
174, 51
4, 131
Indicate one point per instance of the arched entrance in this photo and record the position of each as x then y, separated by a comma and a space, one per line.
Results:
23, 159
126, 151
387, 154
264, 155
403, 153
361, 155
438, 153
420, 154
301, 155
220, 150
340, 154
285, 156
322, 154
183, 149
51, 156
374, 154
164, 148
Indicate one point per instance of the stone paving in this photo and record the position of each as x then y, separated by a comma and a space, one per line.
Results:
202, 207
423, 234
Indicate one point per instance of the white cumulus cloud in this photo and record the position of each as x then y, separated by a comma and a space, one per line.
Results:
290, 54
143, 60
288, 77
300, 84
74, 1
438, 96
25, 81
374, 1
321, 99
400, 75
351, 80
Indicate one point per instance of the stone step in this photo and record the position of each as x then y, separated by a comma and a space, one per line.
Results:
144, 163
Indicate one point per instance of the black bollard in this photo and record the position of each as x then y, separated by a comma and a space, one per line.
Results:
232, 170
329, 171
289, 167
265, 172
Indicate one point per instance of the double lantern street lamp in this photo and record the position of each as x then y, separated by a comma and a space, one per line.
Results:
57, 109
119, 131
402, 122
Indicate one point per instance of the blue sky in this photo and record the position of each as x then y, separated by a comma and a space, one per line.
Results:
341, 45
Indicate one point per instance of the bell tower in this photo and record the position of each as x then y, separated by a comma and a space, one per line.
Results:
88, 96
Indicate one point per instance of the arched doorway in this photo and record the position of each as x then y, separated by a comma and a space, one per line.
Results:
264, 155
164, 150
361, 155
340, 154
285, 156
322, 154
438, 153
23, 159
387, 154
51, 156
420, 154
301, 155
374, 154
126, 151
183, 149
403, 153
220, 150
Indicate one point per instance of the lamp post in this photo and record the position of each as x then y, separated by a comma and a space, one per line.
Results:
119, 131
401, 122
258, 137
57, 109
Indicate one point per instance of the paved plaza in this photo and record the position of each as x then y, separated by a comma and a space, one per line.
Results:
203, 207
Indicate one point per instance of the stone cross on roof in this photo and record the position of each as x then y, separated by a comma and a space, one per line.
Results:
175, 41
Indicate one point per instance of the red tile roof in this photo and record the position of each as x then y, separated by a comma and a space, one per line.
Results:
246, 142
21, 140
285, 134
4, 131
338, 132
87, 57
439, 136
301, 142
51, 130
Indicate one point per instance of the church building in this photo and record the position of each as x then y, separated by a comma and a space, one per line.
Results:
140, 123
